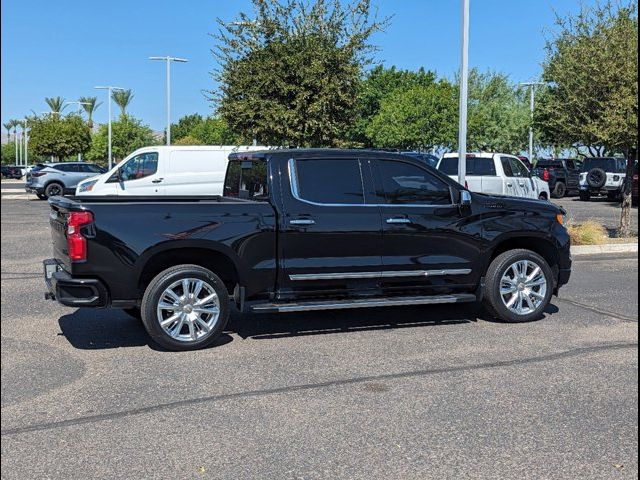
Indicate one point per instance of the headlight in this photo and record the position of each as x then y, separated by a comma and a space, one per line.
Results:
87, 186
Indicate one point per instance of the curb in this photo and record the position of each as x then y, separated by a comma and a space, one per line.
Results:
602, 249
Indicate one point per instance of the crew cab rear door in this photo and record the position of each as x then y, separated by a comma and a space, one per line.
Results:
425, 245
330, 240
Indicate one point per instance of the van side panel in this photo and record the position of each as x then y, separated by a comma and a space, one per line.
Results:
195, 172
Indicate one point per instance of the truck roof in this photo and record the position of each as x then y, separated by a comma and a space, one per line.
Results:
315, 152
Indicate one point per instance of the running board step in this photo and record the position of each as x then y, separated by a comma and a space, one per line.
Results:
362, 303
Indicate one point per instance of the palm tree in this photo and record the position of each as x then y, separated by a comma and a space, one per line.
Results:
123, 99
90, 105
56, 104
8, 126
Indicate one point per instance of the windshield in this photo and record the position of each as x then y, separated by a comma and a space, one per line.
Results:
475, 166
611, 165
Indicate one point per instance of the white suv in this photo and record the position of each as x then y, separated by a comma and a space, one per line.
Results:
497, 174
602, 176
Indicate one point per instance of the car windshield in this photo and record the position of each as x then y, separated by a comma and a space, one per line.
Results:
475, 166
611, 165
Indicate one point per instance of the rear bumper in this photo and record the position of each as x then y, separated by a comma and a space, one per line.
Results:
70, 291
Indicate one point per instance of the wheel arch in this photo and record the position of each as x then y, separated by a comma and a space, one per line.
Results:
540, 245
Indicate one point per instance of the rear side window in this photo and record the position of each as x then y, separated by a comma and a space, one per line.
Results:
328, 181
88, 168
404, 183
72, 167
140, 166
247, 180
476, 166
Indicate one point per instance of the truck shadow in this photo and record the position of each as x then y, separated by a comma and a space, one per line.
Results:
93, 329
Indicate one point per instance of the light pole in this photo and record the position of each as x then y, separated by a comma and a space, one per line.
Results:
169, 59
464, 94
80, 104
110, 89
25, 129
532, 86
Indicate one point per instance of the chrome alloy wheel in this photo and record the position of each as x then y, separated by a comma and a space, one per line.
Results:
523, 287
188, 309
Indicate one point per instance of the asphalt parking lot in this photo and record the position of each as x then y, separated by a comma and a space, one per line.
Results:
388, 393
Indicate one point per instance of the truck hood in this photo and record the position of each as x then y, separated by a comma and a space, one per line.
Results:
528, 204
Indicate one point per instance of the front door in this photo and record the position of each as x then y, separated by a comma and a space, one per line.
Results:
140, 175
524, 181
426, 242
330, 240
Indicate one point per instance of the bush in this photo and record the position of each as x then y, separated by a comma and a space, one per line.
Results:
588, 233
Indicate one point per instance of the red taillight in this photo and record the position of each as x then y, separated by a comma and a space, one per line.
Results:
76, 243
546, 176
38, 174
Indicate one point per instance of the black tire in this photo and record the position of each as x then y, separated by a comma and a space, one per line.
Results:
543, 196
585, 196
41, 196
155, 290
596, 178
134, 312
560, 190
53, 189
493, 301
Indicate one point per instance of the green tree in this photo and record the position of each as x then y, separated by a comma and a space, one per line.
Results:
592, 98
58, 136
56, 104
379, 83
9, 153
123, 99
128, 134
185, 125
188, 140
421, 117
216, 131
8, 126
290, 75
90, 105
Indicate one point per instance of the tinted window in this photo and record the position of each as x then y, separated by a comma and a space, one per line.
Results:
139, 166
476, 166
329, 181
518, 168
66, 167
506, 165
404, 183
246, 179
611, 165
88, 168
549, 164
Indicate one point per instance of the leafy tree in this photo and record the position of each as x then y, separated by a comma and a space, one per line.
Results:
128, 134
9, 153
8, 126
592, 98
205, 131
498, 114
421, 117
56, 104
291, 75
184, 126
57, 136
90, 105
188, 140
123, 99
378, 84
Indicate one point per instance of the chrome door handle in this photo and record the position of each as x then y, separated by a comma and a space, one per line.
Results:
398, 220
302, 221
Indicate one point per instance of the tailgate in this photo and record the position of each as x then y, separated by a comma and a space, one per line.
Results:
60, 208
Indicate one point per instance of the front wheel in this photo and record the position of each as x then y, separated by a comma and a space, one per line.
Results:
519, 285
185, 308
54, 189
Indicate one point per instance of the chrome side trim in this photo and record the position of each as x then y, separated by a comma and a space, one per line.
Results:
384, 274
363, 303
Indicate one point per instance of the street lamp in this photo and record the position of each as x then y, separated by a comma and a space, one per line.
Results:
80, 104
464, 94
532, 86
169, 60
110, 89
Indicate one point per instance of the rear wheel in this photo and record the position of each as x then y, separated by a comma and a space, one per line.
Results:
519, 285
560, 190
185, 308
585, 196
54, 189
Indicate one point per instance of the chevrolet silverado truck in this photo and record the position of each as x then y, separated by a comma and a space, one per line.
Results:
302, 230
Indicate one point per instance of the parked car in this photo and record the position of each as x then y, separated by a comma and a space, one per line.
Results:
562, 175
427, 158
497, 174
52, 179
166, 170
295, 233
11, 171
602, 176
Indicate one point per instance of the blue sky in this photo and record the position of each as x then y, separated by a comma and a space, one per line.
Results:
67, 47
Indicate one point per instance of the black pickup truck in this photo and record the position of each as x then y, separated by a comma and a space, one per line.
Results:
562, 174
301, 230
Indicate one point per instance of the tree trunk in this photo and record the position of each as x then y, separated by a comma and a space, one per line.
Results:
625, 216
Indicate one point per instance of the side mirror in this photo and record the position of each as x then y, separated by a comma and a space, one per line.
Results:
465, 198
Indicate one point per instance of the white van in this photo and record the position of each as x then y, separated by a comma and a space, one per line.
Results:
166, 170
496, 173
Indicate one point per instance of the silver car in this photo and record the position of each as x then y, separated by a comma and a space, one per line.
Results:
53, 179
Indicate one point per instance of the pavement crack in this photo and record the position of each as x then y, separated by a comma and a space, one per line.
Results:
591, 308
314, 386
